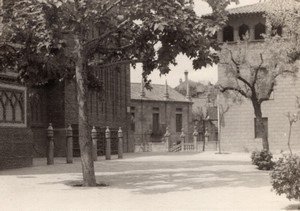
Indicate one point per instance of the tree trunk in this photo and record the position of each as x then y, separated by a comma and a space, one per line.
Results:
260, 127
85, 142
289, 138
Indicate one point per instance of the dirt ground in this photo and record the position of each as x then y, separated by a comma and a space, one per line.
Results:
144, 181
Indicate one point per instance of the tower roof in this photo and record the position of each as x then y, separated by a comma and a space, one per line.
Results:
257, 8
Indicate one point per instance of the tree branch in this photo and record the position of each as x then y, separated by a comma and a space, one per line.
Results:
244, 81
110, 7
268, 94
237, 65
242, 92
257, 70
129, 61
96, 41
232, 59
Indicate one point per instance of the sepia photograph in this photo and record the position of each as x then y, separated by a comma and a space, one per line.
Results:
149, 105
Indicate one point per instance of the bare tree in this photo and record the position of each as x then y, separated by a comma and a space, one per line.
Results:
252, 71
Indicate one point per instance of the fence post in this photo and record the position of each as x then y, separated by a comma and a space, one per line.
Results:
108, 145
50, 154
206, 135
94, 140
167, 138
120, 143
182, 136
195, 138
69, 135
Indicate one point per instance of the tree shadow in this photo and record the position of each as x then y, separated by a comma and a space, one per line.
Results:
165, 180
293, 207
151, 176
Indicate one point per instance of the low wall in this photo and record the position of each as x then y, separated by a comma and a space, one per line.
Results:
15, 148
151, 147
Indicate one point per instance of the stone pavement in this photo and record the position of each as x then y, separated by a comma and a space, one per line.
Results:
144, 181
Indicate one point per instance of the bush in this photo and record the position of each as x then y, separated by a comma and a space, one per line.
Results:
262, 159
285, 178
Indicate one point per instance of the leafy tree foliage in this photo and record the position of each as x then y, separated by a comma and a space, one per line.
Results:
60, 39
285, 178
263, 159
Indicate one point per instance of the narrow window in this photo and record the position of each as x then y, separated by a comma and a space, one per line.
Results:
228, 34
155, 124
178, 122
276, 30
243, 30
259, 30
12, 105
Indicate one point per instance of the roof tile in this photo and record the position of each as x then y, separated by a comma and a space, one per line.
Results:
260, 7
156, 93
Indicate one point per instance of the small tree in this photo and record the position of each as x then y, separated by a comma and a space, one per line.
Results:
293, 118
255, 77
225, 101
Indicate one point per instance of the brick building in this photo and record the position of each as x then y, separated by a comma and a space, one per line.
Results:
154, 110
238, 132
25, 113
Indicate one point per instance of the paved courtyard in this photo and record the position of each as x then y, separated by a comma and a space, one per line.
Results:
144, 181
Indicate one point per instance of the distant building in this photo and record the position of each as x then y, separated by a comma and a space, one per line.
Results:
153, 110
204, 109
238, 131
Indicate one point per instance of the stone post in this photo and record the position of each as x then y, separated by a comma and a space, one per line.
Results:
120, 143
94, 141
69, 143
167, 138
108, 144
182, 136
195, 138
206, 135
236, 35
50, 154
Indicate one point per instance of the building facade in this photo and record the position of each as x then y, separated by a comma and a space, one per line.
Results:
238, 130
25, 113
152, 111
204, 109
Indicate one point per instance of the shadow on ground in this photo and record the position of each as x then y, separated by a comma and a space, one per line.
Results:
187, 177
156, 176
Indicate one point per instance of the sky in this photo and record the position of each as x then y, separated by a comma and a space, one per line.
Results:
209, 73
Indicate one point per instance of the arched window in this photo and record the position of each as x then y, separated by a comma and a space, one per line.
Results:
228, 34
276, 30
12, 105
243, 30
259, 30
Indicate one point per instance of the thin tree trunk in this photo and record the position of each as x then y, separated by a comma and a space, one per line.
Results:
85, 142
289, 138
219, 137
